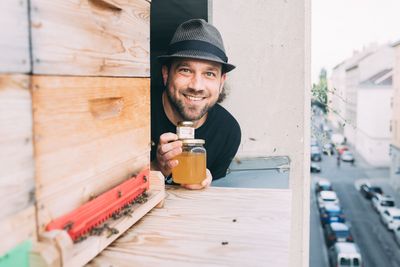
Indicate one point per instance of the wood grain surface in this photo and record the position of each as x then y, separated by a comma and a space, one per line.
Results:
91, 133
17, 228
91, 37
212, 227
16, 150
14, 40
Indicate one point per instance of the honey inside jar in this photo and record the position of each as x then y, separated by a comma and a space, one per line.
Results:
192, 163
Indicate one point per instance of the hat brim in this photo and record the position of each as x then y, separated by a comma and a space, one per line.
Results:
196, 55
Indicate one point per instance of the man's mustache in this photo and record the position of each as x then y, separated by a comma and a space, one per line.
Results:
193, 92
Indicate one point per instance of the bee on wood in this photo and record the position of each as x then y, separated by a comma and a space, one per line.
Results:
112, 231
119, 194
80, 239
145, 178
68, 226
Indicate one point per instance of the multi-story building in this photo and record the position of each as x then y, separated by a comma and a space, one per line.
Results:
373, 118
395, 122
367, 66
360, 91
337, 88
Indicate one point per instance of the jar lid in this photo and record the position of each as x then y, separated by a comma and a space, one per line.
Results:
186, 123
193, 141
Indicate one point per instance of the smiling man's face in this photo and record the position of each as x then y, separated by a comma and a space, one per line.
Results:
193, 86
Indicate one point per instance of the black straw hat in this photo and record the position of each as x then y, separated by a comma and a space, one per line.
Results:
196, 38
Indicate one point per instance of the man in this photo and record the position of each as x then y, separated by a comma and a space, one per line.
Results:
193, 72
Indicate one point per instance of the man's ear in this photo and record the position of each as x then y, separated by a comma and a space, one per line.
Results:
223, 78
164, 71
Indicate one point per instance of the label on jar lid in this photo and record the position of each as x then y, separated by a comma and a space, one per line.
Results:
185, 132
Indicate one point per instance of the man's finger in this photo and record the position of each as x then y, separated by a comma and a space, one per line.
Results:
167, 137
192, 186
170, 146
172, 163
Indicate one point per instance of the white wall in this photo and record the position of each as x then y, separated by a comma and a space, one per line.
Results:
269, 41
373, 124
382, 59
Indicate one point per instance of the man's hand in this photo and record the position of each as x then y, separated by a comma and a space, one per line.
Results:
206, 183
168, 148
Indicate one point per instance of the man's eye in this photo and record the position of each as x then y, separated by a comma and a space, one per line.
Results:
210, 74
185, 70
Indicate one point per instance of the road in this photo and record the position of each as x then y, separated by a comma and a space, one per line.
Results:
377, 245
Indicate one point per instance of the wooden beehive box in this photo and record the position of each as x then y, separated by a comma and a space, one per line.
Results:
90, 134
17, 212
14, 41
91, 37
91, 113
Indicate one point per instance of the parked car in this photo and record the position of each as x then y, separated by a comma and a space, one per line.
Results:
381, 202
347, 156
325, 197
341, 148
315, 153
344, 254
337, 232
391, 218
315, 168
314, 141
369, 191
328, 149
323, 185
331, 213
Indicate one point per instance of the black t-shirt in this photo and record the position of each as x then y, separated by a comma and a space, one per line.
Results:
220, 131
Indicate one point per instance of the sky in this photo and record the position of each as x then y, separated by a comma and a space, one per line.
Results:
338, 27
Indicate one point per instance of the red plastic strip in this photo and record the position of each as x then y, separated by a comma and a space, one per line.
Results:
81, 220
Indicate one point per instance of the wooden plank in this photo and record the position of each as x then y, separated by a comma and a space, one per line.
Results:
16, 153
91, 133
17, 228
91, 38
191, 229
80, 253
14, 41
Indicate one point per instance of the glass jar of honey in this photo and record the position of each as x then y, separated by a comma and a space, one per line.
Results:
185, 130
191, 168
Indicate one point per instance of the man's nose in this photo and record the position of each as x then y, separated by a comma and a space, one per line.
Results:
197, 82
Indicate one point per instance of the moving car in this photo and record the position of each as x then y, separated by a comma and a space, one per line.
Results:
323, 185
327, 197
331, 213
315, 168
368, 191
391, 218
347, 156
337, 232
381, 202
344, 254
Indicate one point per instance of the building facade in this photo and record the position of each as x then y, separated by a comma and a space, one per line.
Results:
395, 122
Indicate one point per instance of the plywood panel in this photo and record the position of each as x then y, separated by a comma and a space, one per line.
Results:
91, 133
91, 37
17, 228
212, 227
16, 153
14, 41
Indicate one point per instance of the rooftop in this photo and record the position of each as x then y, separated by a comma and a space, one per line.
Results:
382, 78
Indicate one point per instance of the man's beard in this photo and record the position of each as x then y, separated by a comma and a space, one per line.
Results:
183, 111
